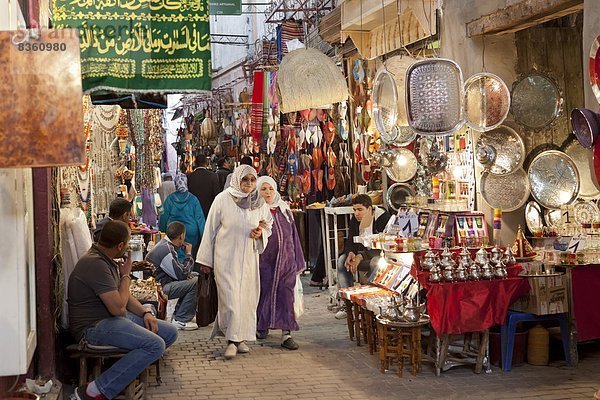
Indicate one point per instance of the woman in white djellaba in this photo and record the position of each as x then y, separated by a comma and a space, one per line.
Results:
236, 232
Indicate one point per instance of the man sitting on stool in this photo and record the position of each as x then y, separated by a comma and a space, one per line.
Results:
103, 312
175, 276
367, 220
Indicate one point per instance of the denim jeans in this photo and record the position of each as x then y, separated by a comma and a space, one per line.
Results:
129, 333
187, 293
345, 277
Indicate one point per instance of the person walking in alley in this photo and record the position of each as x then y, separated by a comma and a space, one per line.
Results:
103, 312
182, 206
280, 263
204, 183
223, 170
176, 277
118, 210
237, 231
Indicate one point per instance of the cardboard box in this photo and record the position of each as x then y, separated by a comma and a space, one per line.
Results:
548, 295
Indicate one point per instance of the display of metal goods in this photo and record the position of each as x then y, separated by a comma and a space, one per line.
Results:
506, 192
397, 195
554, 179
385, 109
586, 126
536, 101
402, 165
500, 151
434, 95
583, 159
486, 101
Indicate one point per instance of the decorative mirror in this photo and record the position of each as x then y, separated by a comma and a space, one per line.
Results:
385, 107
434, 95
403, 165
536, 101
486, 101
506, 192
554, 179
500, 151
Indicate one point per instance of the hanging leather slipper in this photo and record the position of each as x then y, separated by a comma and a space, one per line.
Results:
331, 178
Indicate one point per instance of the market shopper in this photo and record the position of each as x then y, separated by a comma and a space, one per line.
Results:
118, 210
167, 186
246, 160
103, 312
176, 277
223, 170
280, 263
237, 231
182, 206
367, 220
204, 183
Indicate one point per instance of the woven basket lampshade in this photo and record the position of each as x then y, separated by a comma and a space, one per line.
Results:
308, 78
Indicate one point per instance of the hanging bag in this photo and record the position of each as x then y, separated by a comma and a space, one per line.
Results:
208, 302
298, 298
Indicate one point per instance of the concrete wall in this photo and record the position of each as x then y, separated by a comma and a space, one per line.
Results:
591, 29
500, 59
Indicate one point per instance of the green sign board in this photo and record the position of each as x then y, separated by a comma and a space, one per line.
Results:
225, 7
140, 45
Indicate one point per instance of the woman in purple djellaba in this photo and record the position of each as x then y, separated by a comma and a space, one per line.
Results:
280, 263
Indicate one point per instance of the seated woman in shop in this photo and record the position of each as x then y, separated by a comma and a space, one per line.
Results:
367, 220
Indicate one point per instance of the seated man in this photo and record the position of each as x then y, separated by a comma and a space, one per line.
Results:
175, 276
103, 312
119, 210
367, 220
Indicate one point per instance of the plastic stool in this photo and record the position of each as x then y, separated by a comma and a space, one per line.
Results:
507, 335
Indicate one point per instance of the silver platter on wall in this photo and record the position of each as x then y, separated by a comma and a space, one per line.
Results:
554, 179
434, 96
397, 194
403, 165
533, 217
583, 159
552, 218
506, 192
536, 101
586, 211
486, 102
500, 151
385, 105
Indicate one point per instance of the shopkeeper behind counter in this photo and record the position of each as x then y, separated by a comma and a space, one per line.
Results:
367, 220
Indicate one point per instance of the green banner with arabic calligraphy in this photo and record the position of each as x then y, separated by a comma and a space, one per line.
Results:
140, 45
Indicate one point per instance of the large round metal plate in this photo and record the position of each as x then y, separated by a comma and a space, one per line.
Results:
397, 194
406, 135
486, 101
509, 150
554, 179
594, 63
536, 101
552, 218
506, 192
403, 165
434, 96
583, 160
533, 217
385, 105
586, 211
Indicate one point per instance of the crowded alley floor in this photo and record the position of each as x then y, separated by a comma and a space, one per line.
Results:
330, 366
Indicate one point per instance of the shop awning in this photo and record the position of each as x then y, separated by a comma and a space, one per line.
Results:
377, 27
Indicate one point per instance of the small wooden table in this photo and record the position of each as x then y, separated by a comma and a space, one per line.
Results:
399, 341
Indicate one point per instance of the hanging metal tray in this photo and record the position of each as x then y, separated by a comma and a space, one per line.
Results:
403, 165
486, 101
506, 192
503, 148
397, 193
583, 159
434, 95
536, 101
552, 218
554, 179
385, 105
586, 211
533, 217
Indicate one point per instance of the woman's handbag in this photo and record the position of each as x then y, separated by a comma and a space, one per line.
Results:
208, 302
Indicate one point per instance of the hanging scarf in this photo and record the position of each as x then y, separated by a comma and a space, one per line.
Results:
181, 183
250, 200
278, 202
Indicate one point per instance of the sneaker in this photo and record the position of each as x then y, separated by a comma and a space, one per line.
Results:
81, 394
289, 344
230, 351
243, 348
185, 326
341, 314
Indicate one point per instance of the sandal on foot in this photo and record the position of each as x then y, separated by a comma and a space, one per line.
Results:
289, 344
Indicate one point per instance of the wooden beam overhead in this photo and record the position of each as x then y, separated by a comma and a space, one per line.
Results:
522, 15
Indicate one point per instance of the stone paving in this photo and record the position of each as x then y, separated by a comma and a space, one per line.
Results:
330, 366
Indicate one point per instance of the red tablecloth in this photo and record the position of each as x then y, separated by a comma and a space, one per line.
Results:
461, 307
586, 298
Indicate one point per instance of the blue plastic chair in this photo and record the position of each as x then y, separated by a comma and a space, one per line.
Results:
507, 334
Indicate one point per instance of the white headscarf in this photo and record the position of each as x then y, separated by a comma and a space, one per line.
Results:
250, 200
277, 200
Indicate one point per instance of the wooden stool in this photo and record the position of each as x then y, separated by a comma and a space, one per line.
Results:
399, 341
450, 353
349, 318
95, 355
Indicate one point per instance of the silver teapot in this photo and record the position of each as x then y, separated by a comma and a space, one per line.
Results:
509, 258
496, 255
487, 271
500, 271
429, 261
474, 272
435, 274
412, 311
481, 257
394, 310
460, 274
448, 264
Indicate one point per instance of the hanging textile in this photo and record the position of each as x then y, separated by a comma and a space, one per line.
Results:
258, 98
138, 46
288, 30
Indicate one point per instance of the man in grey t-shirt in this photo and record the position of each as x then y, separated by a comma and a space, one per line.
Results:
103, 312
